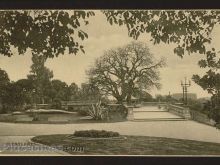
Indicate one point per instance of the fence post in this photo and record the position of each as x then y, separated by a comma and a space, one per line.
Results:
186, 113
130, 115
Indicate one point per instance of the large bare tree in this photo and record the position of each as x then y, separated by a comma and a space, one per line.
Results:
119, 72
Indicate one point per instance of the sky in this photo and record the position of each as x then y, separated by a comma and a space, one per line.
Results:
103, 36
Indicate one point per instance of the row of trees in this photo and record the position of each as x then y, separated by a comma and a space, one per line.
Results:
40, 88
123, 73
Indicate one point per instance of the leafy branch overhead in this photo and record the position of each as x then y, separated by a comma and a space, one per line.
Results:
51, 32
188, 29
47, 33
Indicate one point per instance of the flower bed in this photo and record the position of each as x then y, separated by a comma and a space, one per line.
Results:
96, 134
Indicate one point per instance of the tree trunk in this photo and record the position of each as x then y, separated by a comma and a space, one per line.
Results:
128, 99
119, 99
129, 92
42, 100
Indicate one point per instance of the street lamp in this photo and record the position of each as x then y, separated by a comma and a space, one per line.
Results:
184, 86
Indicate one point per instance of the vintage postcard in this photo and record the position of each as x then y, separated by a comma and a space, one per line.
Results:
109, 82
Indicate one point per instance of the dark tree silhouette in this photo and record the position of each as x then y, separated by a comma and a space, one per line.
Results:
119, 72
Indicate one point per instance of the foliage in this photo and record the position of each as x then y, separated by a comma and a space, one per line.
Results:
96, 134
41, 77
56, 104
188, 29
45, 32
73, 91
17, 95
210, 82
51, 32
89, 91
197, 106
58, 90
4, 81
116, 112
215, 115
120, 71
97, 111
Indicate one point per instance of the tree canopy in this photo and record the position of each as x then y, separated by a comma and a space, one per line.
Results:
44, 32
120, 71
4, 81
40, 76
188, 29
51, 32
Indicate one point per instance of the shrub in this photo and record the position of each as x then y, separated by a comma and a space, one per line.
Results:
12, 108
215, 115
217, 125
35, 117
56, 104
97, 111
82, 110
96, 134
117, 112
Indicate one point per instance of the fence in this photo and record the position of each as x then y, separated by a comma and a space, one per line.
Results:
202, 118
179, 111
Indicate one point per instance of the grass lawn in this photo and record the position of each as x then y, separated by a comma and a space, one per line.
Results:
133, 145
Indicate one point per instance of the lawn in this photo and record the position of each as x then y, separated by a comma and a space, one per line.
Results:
132, 145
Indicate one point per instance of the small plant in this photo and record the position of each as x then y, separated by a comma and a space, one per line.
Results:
96, 134
97, 111
35, 117
56, 104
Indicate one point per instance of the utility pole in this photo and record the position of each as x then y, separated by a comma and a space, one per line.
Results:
185, 85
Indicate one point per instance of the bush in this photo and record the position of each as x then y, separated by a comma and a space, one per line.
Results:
11, 108
96, 134
56, 104
82, 110
35, 117
117, 112
97, 111
215, 115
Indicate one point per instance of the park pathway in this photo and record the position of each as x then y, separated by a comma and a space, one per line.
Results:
153, 113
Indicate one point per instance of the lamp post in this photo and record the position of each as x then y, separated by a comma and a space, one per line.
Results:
185, 85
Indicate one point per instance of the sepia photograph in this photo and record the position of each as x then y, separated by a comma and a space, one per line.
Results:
85, 82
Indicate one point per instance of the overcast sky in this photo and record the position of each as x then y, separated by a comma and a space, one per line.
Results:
103, 36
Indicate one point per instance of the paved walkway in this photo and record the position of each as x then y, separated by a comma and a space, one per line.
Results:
154, 113
182, 129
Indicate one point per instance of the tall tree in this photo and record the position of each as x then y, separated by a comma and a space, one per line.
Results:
59, 90
90, 92
4, 81
74, 91
41, 77
18, 94
119, 72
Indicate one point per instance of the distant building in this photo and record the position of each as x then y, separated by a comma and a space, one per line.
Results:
179, 96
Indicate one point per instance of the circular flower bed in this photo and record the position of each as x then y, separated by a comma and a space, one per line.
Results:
96, 134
